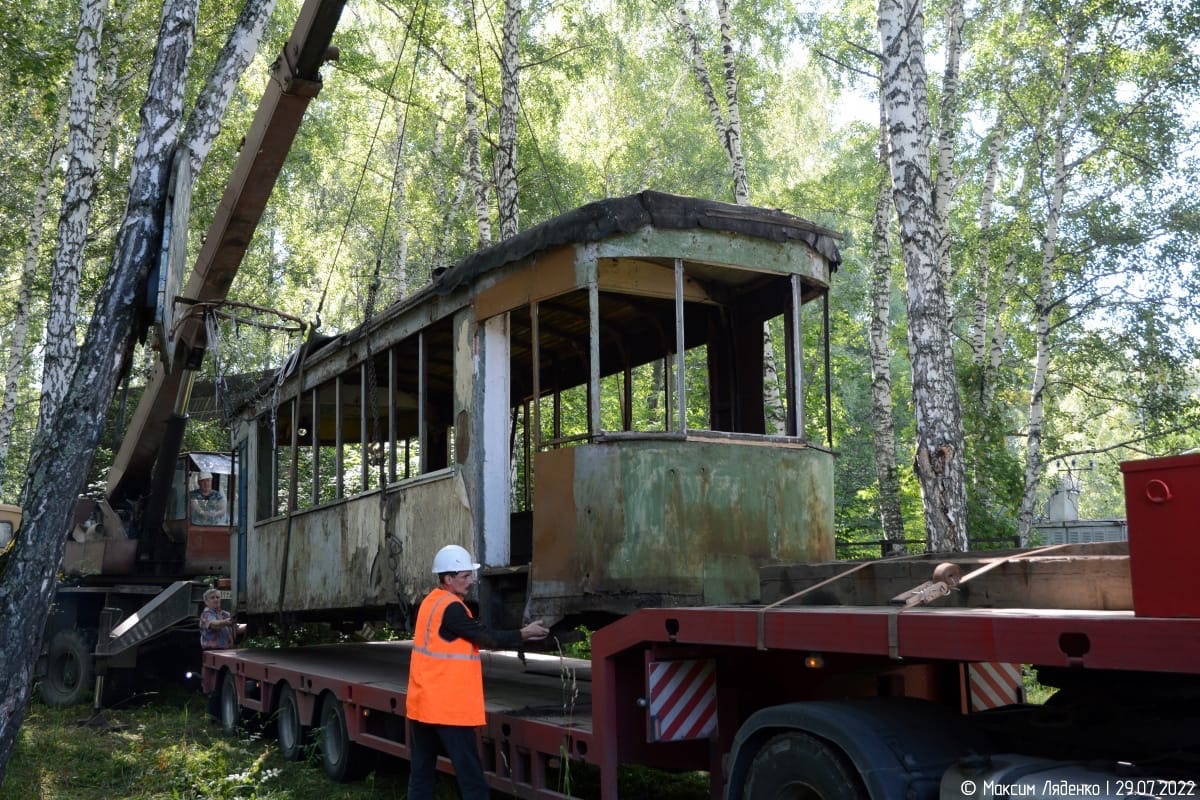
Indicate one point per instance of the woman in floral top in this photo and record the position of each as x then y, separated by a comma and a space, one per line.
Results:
216, 625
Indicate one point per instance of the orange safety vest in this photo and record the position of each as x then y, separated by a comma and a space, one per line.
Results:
445, 679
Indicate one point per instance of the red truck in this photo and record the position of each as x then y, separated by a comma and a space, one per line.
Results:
885, 679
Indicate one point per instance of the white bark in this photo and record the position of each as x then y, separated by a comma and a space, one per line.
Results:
978, 335
20, 331
882, 421
948, 120
733, 131
76, 212
399, 270
111, 83
479, 188
205, 121
1044, 301
939, 457
996, 348
64, 446
727, 121
506, 154
774, 412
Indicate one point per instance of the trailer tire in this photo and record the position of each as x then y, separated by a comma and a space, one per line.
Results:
229, 709
797, 766
70, 669
342, 759
292, 735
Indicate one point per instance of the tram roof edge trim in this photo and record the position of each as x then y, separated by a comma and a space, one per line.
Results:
603, 218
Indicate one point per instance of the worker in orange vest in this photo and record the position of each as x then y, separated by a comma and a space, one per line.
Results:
445, 678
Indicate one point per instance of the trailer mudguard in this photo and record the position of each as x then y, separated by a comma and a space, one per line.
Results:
899, 746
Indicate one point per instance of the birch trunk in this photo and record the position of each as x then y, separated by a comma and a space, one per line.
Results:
883, 423
76, 212
939, 457
20, 331
996, 348
733, 131
506, 155
479, 189
64, 445
399, 270
978, 335
1044, 301
205, 121
943, 192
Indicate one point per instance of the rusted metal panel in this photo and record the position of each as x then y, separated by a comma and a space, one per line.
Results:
338, 556
619, 525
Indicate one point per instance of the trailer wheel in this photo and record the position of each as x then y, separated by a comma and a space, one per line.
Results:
796, 766
70, 669
292, 735
230, 709
341, 758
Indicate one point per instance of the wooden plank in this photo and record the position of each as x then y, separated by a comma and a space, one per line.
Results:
1098, 581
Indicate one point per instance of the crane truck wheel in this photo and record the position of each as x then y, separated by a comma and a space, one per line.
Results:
797, 766
292, 735
70, 669
342, 759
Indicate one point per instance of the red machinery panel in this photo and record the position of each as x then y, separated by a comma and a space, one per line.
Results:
1162, 501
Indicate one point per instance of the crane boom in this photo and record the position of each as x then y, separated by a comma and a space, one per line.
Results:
295, 81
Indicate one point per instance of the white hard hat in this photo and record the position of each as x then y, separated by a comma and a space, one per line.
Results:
204, 476
453, 558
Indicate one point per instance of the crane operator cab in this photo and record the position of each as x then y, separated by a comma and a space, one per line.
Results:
201, 509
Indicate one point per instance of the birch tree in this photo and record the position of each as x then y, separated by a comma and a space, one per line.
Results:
947, 135
17, 346
479, 189
76, 211
727, 121
1117, 85
65, 443
879, 343
938, 460
510, 99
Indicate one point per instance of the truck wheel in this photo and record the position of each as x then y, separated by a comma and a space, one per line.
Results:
70, 669
796, 766
341, 758
230, 709
292, 735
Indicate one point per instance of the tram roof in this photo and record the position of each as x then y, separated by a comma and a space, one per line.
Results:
604, 218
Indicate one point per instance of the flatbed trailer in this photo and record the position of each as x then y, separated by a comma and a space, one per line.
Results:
792, 700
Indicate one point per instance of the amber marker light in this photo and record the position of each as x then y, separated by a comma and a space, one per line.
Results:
814, 661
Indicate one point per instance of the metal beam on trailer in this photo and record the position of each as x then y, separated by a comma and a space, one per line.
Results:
1114, 640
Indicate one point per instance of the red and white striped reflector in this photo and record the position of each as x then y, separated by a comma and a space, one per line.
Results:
994, 684
682, 699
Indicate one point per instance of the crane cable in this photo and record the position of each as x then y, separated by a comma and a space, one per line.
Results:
408, 30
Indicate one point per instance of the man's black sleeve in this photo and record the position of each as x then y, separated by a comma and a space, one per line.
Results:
457, 623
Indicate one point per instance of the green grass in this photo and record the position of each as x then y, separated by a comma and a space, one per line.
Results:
168, 749
165, 751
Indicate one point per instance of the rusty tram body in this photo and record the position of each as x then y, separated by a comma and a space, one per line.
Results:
582, 406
